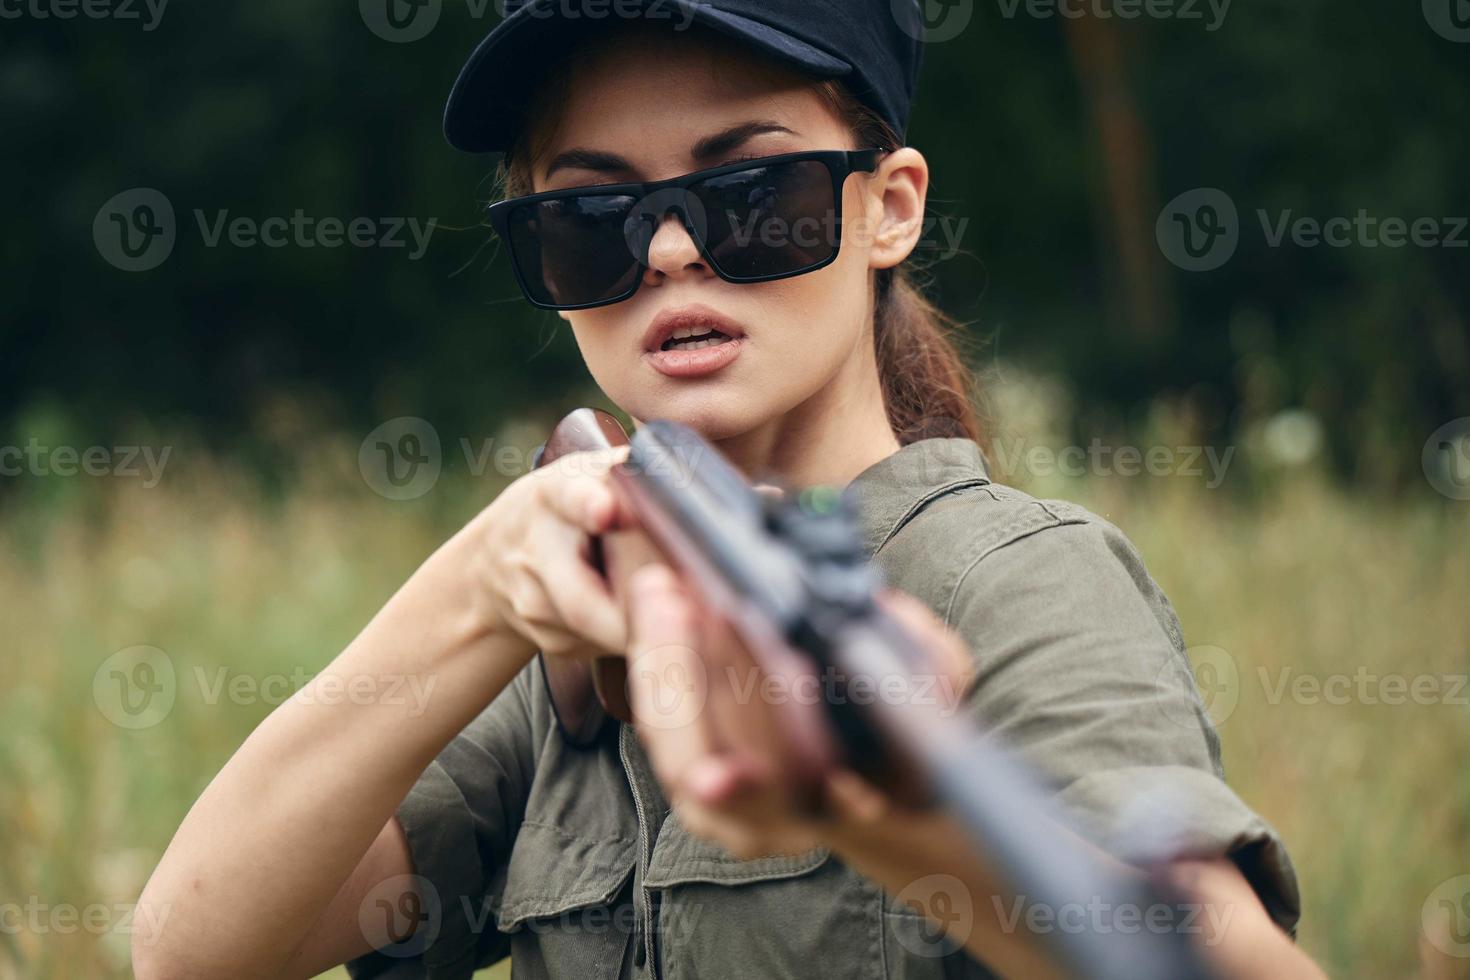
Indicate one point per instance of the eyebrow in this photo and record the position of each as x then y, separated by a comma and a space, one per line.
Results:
706, 149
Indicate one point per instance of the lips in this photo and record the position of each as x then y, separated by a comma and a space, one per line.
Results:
695, 319
692, 341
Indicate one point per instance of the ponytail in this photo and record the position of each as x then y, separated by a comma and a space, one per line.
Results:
928, 389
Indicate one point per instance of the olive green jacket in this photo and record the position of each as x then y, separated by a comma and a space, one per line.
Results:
571, 862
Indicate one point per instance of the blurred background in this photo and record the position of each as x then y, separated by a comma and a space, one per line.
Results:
1212, 258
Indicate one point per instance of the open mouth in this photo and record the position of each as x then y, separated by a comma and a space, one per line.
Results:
695, 338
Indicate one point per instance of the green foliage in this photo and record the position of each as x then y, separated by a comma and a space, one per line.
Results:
1053, 142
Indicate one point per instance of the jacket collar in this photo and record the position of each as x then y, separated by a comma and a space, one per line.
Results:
891, 491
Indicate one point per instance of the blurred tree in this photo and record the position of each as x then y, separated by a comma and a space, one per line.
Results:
1053, 141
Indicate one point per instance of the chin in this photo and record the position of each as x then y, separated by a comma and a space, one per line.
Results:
716, 413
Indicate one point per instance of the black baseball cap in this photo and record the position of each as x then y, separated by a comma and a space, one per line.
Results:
874, 46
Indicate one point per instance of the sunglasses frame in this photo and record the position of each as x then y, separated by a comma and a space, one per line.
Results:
840, 164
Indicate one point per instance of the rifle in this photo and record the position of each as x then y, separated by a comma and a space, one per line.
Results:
792, 579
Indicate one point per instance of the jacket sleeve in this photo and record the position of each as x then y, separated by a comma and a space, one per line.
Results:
461, 819
1081, 669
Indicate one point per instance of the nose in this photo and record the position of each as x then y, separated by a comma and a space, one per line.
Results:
673, 254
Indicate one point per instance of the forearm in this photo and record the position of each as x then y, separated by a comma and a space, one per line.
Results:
275, 835
1230, 926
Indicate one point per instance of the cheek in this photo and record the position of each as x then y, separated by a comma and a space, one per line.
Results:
597, 333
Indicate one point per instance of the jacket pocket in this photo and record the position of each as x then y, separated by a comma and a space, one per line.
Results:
915, 947
565, 902
785, 916
553, 871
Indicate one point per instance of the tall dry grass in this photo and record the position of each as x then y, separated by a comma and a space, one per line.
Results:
233, 581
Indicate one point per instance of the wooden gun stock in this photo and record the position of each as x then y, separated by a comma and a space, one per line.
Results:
585, 694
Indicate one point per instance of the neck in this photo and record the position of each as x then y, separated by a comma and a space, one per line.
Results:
828, 439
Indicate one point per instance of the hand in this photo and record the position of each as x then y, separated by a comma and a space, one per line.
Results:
717, 732
534, 555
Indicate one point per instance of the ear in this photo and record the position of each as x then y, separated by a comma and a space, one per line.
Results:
896, 196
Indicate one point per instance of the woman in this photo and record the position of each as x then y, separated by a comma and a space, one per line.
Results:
452, 839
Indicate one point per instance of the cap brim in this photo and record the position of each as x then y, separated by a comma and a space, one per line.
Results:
485, 107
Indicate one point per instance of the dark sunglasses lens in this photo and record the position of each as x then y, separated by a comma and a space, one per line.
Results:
572, 251
770, 221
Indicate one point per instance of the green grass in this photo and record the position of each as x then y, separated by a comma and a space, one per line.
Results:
1373, 800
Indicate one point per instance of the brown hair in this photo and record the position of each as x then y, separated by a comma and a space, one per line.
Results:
929, 388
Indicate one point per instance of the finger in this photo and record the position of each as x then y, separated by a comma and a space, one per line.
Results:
735, 806
623, 553
720, 781
667, 681
582, 599
577, 488
736, 708
752, 714
855, 801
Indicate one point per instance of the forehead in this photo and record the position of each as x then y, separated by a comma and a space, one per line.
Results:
650, 95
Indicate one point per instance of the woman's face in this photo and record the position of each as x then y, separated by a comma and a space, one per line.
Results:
638, 108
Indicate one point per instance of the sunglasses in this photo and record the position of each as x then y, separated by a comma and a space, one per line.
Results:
753, 221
